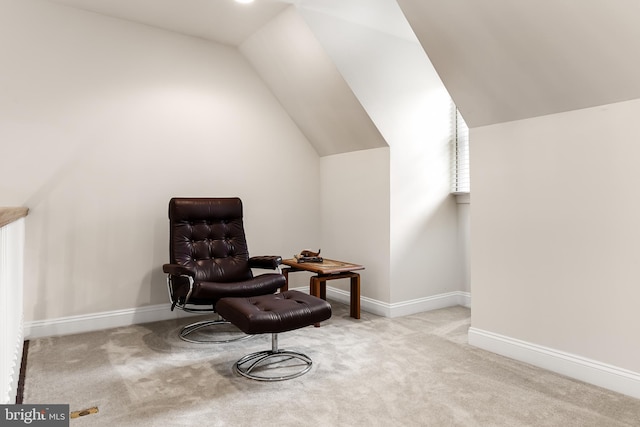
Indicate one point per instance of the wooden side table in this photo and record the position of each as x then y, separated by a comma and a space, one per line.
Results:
327, 270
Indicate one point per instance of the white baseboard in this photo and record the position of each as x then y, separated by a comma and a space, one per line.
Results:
113, 319
580, 368
99, 321
435, 302
404, 308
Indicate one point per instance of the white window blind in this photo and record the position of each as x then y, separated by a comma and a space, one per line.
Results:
460, 179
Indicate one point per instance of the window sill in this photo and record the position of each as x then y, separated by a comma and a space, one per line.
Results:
463, 198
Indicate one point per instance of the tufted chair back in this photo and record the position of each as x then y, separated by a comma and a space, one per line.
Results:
207, 236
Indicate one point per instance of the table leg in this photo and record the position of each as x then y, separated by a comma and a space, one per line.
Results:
285, 273
354, 306
314, 286
318, 287
314, 289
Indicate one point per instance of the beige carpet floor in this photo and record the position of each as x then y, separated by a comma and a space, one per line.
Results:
412, 371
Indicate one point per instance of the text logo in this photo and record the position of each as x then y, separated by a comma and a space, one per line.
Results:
34, 415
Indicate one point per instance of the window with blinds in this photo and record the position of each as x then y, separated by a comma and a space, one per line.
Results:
460, 180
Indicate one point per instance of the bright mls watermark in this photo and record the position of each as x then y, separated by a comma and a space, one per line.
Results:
34, 415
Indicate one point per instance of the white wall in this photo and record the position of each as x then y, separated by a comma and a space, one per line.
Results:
103, 121
354, 195
397, 85
464, 239
554, 253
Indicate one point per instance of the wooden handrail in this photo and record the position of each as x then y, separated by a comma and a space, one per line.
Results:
8, 215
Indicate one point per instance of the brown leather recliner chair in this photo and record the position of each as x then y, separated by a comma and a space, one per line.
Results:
209, 260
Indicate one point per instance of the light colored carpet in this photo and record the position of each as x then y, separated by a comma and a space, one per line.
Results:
412, 371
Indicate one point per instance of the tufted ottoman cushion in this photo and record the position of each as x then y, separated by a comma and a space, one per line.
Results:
274, 313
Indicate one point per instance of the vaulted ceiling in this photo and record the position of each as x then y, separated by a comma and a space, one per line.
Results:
223, 21
500, 60
282, 49
504, 60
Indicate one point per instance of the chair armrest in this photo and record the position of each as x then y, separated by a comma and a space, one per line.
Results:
269, 262
177, 270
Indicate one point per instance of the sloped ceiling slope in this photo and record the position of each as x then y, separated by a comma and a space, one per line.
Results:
281, 47
379, 15
504, 60
308, 84
223, 21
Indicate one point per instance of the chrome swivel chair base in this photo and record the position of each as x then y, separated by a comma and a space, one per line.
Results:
257, 366
214, 337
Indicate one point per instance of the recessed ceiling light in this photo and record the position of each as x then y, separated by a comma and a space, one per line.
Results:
244, 1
